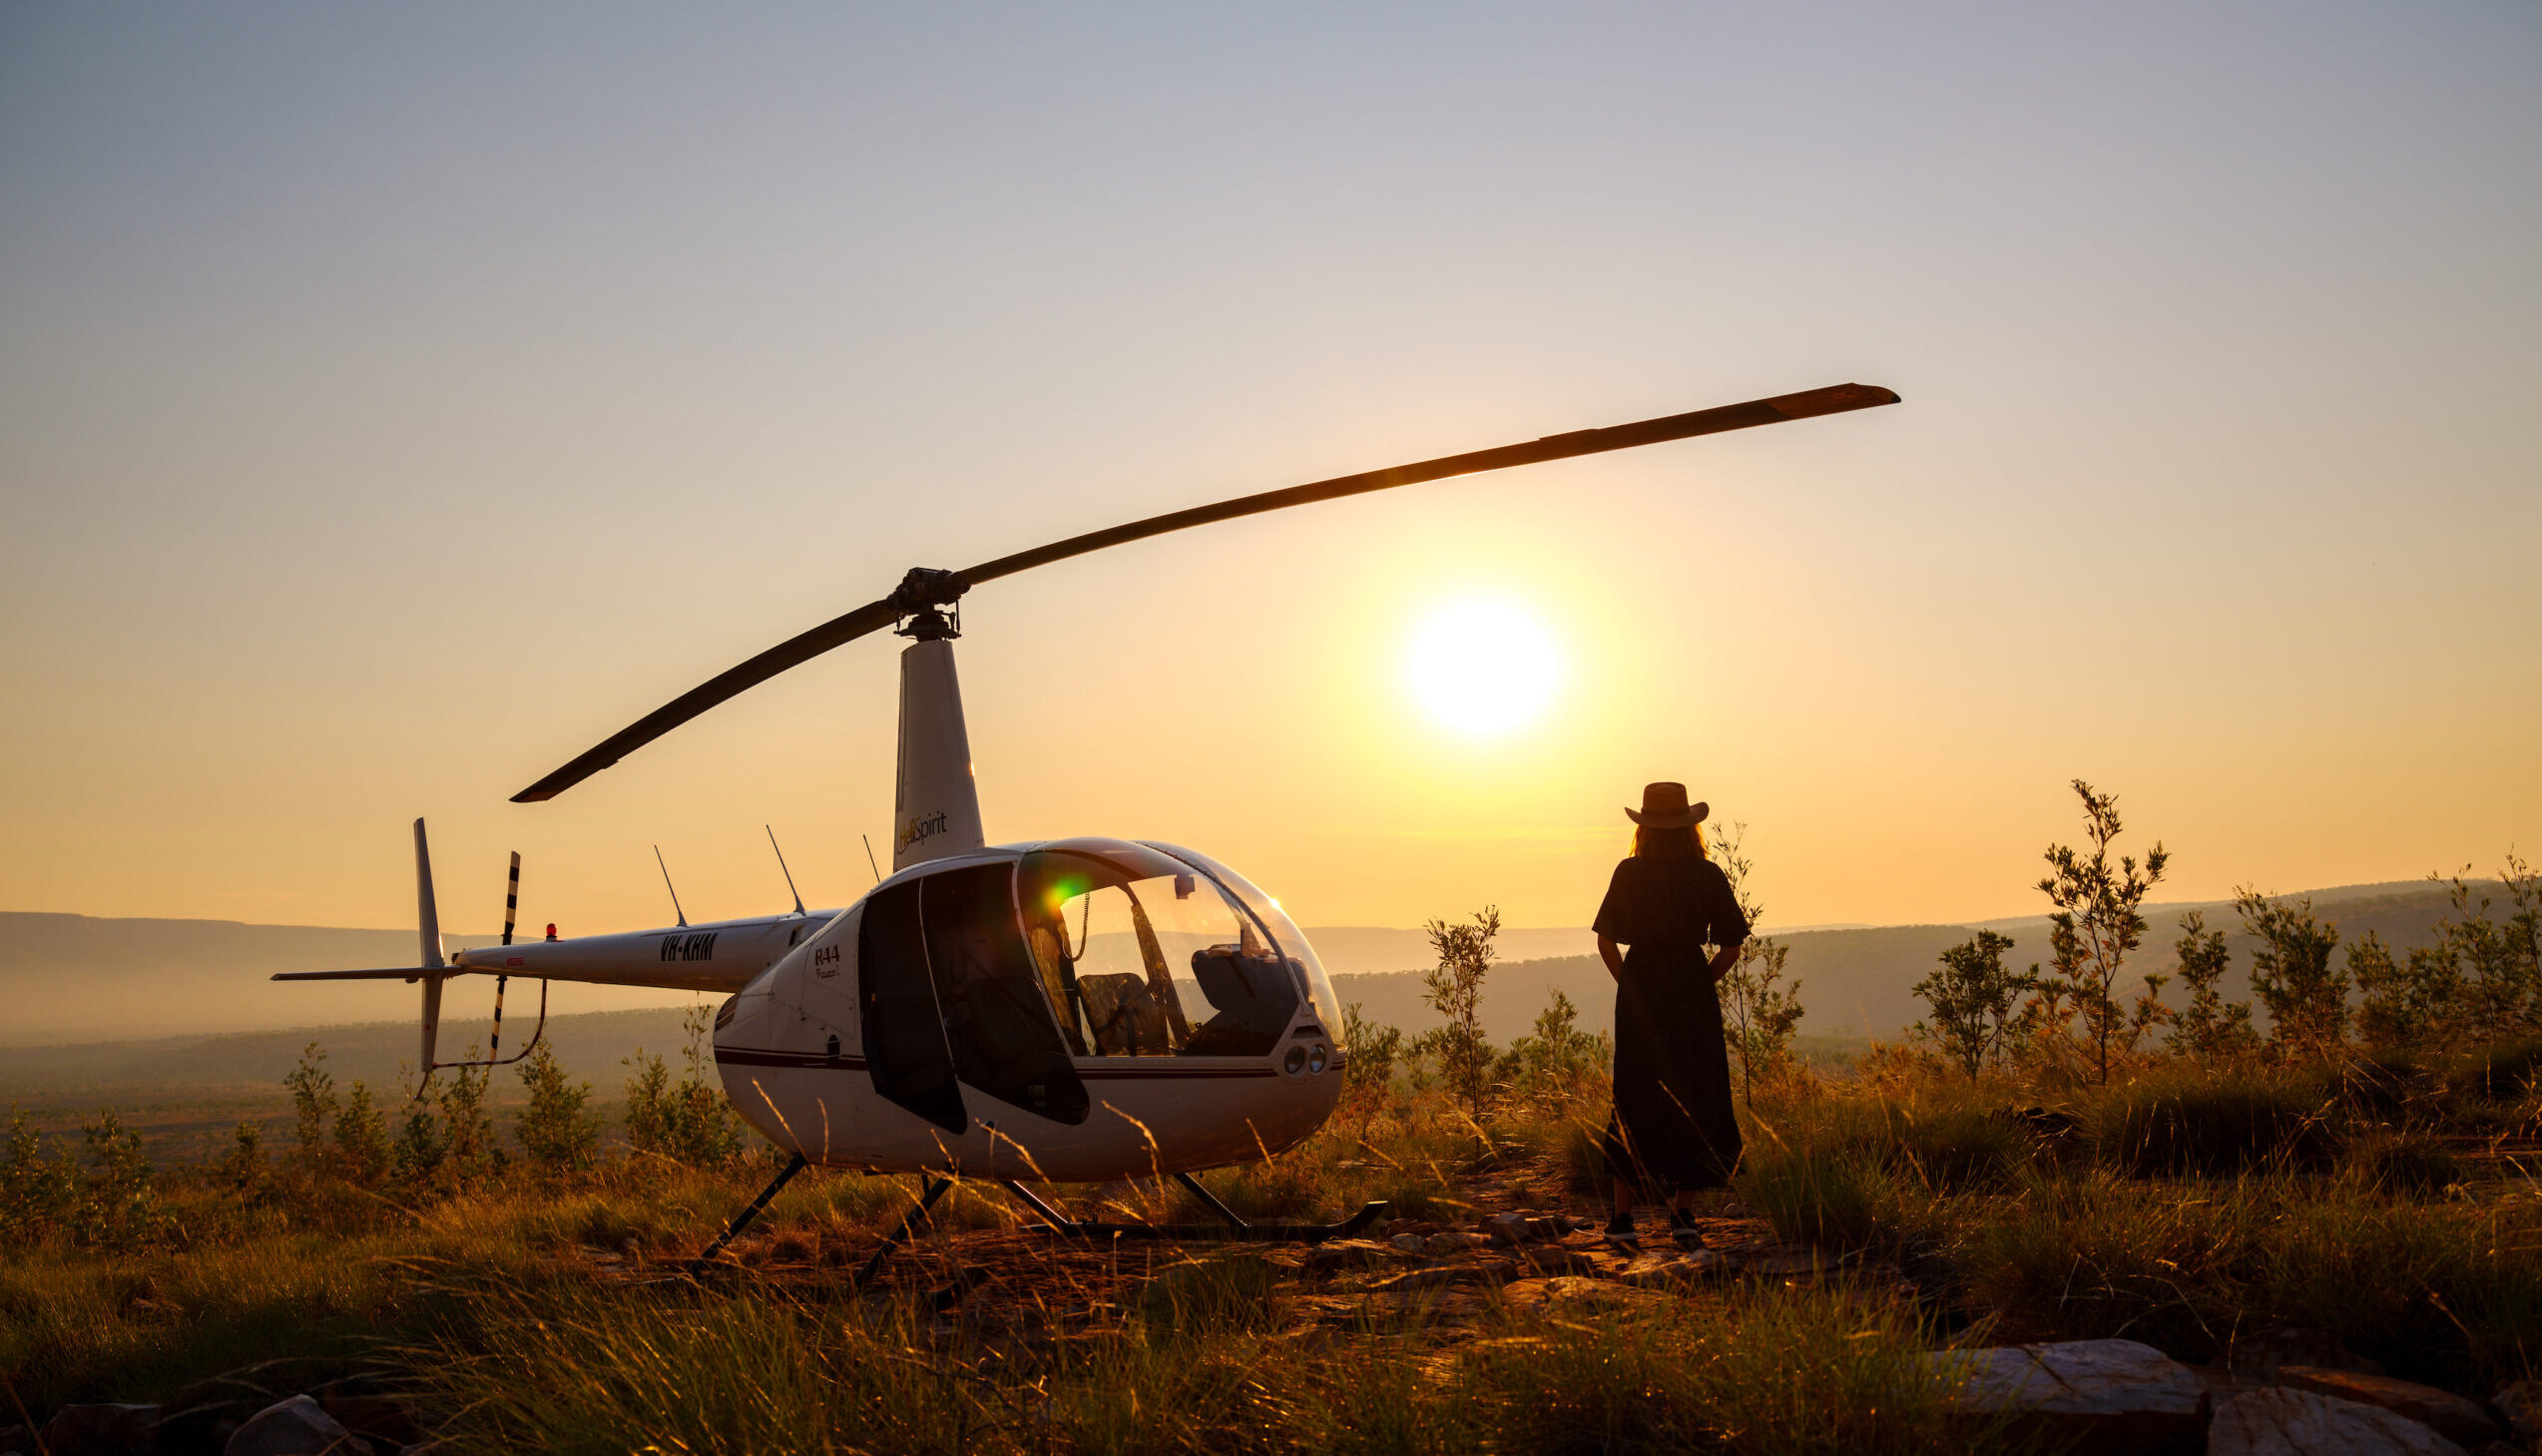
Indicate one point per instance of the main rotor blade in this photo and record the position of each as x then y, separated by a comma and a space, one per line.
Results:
731, 682
1835, 399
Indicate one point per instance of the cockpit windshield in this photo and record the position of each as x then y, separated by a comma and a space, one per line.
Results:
1292, 941
1142, 955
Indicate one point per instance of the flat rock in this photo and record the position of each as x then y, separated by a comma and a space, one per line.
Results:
2461, 1421
101, 1430
1544, 1260
1571, 1294
2094, 1395
1670, 1271
1786, 1263
2521, 1404
1347, 1254
2264, 1350
2283, 1421
298, 1426
375, 1419
1487, 1272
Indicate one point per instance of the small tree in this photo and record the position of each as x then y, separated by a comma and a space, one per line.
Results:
687, 1121
2210, 1026
1971, 999
2393, 1009
243, 1166
118, 1206
361, 1137
1760, 1013
2291, 971
1372, 1052
554, 1130
1454, 988
2524, 931
470, 1148
647, 1103
2492, 966
37, 1186
2096, 923
421, 1145
312, 1105
2145, 1012
1557, 1052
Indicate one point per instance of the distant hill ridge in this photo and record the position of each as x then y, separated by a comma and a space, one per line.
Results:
81, 979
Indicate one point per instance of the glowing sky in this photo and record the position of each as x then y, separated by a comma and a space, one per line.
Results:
395, 400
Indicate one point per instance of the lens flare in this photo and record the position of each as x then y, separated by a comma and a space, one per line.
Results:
1483, 667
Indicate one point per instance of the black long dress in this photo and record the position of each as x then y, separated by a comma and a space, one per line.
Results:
1674, 1125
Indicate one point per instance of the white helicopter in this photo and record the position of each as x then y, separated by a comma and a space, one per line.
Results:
1065, 1011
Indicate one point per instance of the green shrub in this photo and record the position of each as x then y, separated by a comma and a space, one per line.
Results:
2502, 1071
2190, 1120
1580, 1151
2446, 1293
38, 1188
312, 1105
361, 1137
1770, 1372
2095, 1256
119, 1205
1238, 1291
555, 1129
1824, 1195
1957, 1149
2404, 1163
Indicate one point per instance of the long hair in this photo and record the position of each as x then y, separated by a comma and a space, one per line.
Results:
1650, 842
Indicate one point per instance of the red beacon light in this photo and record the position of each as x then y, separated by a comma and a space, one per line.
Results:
551, 930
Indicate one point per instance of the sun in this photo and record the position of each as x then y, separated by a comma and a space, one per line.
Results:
1483, 666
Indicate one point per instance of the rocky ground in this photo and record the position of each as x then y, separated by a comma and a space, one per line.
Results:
2283, 1392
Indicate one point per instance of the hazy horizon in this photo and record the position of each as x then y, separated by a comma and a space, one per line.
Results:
73, 979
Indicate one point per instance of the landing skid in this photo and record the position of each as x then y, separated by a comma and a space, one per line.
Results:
1233, 1231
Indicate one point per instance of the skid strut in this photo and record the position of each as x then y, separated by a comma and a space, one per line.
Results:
1233, 1231
926, 1199
1208, 1199
743, 1219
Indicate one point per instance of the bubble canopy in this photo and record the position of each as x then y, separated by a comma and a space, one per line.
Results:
1283, 931
1152, 950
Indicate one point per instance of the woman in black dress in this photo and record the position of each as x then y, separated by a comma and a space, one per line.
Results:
1673, 1130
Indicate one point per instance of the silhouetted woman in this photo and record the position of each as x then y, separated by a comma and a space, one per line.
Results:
1673, 1130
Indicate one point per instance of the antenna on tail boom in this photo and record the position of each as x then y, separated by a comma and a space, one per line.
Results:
781, 869
676, 912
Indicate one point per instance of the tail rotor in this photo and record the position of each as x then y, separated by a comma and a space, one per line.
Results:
511, 912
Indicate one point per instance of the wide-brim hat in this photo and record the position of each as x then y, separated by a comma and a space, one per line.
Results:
1664, 806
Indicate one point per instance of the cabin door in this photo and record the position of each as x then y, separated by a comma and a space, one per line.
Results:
997, 1012
905, 1047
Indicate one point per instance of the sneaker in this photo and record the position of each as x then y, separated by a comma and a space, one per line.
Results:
1683, 1227
1620, 1231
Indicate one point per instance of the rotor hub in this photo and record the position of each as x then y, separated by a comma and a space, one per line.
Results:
928, 604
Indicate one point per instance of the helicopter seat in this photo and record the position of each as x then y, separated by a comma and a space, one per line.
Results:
1253, 995
1125, 1015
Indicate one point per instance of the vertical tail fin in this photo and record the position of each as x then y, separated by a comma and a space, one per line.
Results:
936, 803
428, 929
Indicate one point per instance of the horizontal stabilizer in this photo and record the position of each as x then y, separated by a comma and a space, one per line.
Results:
391, 973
